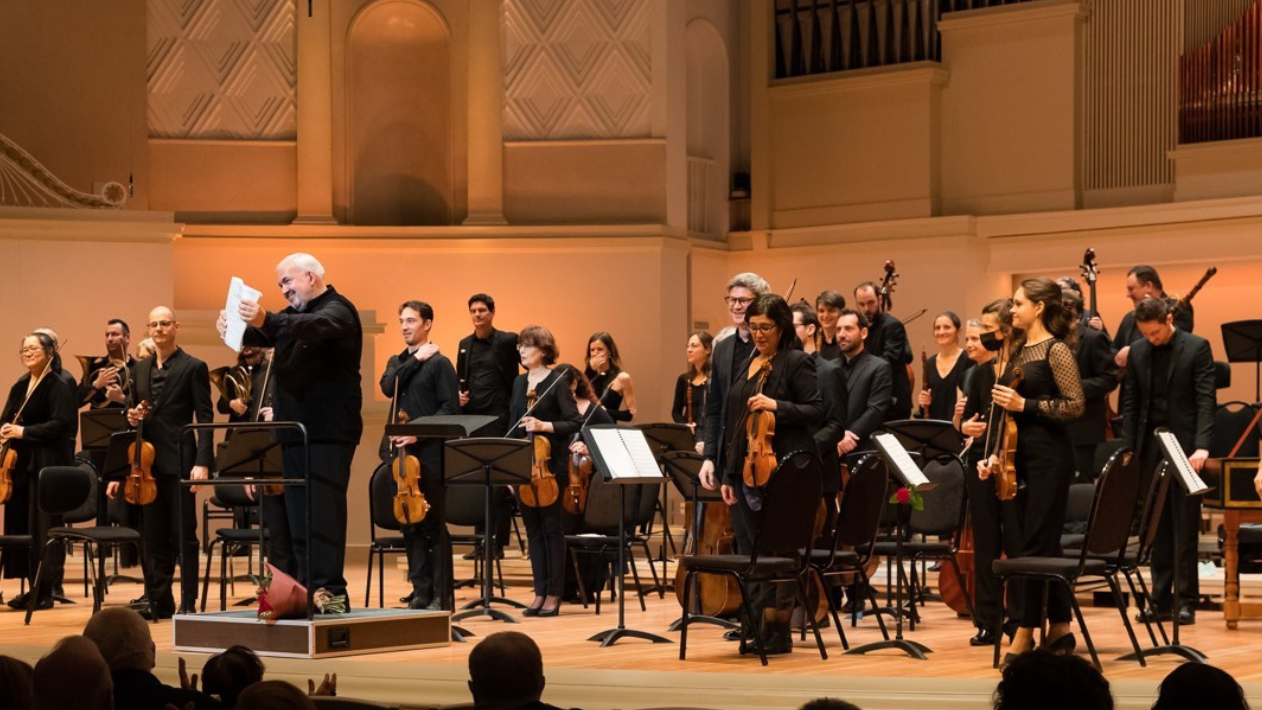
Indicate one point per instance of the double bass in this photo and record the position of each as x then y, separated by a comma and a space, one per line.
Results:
1090, 275
885, 293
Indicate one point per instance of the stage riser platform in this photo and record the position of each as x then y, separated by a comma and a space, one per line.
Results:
357, 633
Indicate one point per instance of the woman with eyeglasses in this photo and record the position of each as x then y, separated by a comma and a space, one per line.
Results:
543, 405
791, 393
37, 423
690, 389
603, 367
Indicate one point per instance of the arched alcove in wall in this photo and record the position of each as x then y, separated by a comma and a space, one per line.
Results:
398, 115
709, 144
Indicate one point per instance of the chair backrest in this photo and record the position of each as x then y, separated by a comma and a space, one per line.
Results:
1150, 517
465, 505
787, 523
862, 505
646, 503
63, 489
1230, 421
944, 504
1113, 511
381, 492
1078, 511
86, 511
235, 497
600, 517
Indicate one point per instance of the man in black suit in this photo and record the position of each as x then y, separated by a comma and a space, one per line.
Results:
887, 339
1143, 282
176, 386
868, 381
1170, 383
318, 343
730, 355
103, 380
835, 396
1099, 374
423, 383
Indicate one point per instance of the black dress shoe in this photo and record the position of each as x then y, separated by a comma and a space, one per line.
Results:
19, 602
1062, 646
162, 613
1187, 616
419, 602
405, 600
732, 635
554, 611
1149, 616
984, 637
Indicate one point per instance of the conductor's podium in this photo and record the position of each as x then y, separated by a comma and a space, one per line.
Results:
1234, 494
359, 632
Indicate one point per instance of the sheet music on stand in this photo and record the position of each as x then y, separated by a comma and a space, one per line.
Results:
622, 453
897, 456
1192, 483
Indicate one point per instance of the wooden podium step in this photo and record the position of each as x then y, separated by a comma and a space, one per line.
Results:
359, 632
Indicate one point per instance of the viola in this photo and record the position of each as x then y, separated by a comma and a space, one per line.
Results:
760, 439
575, 499
543, 490
140, 488
410, 505
8, 464
1005, 468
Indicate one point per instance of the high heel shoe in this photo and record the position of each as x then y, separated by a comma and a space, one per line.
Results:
1062, 646
533, 609
554, 611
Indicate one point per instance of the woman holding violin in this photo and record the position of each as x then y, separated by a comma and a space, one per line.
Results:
543, 409
944, 371
613, 386
779, 381
36, 430
1047, 394
996, 528
690, 389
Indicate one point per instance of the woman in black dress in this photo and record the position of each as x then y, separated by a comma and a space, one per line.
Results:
688, 409
38, 422
1049, 394
612, 386
792, 393
944, 371
553, 415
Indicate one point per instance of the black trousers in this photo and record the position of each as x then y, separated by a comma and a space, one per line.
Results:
1176, 540
996, 532
1041, 505
546, 541
429, 557
173, 512
329, 477
1084, 462
764, 596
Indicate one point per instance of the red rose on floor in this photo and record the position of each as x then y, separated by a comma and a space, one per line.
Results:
903, 496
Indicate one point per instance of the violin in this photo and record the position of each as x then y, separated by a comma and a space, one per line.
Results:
760, 436
543, 490
1005, 454
8, 463
575, 499
410, 505
140, 488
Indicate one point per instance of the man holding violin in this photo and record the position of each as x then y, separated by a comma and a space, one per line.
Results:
422, 382
176, 387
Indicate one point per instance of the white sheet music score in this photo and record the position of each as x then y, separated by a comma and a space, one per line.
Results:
1174, 453
897, 455
237, 292
626, 452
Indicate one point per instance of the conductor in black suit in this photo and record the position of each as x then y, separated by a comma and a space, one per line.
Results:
318, 343
1170, 383
177, 387
1098, 373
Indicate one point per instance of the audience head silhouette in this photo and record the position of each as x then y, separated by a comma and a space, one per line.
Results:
506, 671
73, 676
229, 673
829, 704
123, 637
273, 695
1193, 685
16, 683
1044, 681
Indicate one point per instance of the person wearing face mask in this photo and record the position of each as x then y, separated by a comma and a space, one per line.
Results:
36, 425
1048, 395
944, 371
996, 528
318, 343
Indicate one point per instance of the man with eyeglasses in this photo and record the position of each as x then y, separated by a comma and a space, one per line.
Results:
726, 364
176, 387
318, 343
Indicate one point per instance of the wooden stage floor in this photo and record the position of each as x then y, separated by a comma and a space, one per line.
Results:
637, 674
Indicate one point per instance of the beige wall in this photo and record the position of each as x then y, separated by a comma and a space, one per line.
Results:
588, 182
225, 181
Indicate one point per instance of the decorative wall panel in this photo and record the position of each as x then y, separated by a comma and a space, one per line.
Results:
222, 69
576, 69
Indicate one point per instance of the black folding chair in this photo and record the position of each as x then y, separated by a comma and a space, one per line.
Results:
785, 533
597, 534
231, 540
381, 491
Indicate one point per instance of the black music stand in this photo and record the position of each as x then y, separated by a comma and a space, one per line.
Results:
487, 462
631, 463
1242, 340
253, 454
664, 438
255, 447
684, 468
96, 426
1175, 464
445, 428
898, 460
